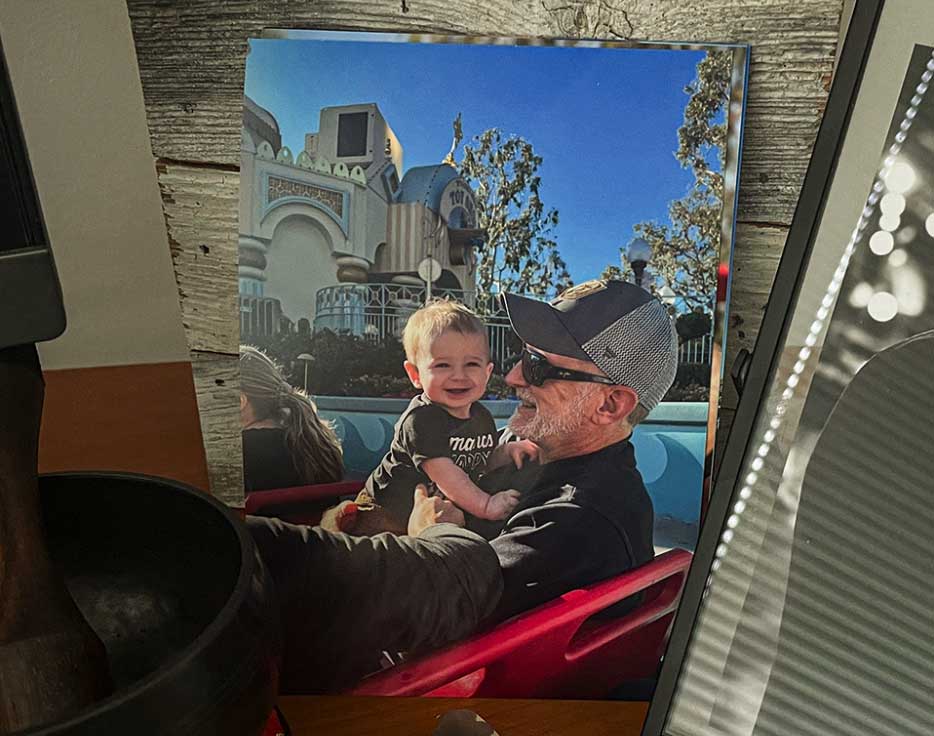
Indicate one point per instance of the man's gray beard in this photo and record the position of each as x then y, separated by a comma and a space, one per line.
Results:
540, 427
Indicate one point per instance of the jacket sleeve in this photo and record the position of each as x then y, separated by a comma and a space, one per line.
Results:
344, 599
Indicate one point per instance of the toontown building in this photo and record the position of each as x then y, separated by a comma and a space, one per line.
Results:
336, 234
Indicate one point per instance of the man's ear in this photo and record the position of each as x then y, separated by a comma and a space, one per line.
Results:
411, 371
617, 404
243, 401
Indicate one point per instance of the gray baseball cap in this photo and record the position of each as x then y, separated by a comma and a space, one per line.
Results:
619, 327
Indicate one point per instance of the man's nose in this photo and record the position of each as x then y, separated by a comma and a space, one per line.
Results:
515, 378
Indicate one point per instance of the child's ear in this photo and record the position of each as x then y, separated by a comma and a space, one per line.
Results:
412, 371
489, 370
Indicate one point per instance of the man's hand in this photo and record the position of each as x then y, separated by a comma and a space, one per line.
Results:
521, 450
430, 510
500, 505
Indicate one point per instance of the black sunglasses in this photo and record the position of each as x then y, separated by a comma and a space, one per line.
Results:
536, 370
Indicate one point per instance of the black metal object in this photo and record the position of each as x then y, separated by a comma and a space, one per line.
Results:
30, 296
171, 582
740, 370
761, 366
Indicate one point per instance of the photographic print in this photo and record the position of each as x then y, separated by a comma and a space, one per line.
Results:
447, 243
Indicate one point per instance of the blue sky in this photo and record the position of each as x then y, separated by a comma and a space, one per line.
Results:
604, 120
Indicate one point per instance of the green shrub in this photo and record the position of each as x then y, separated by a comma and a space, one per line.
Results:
687, 392
692, 325
349, 365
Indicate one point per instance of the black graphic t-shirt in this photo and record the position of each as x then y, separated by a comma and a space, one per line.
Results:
425, 431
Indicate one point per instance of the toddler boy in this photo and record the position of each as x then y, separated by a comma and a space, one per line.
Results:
445, 438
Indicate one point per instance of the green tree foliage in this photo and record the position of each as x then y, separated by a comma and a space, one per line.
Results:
614, 273
687, 250
342, 364
348, 365
692, 325
520, 253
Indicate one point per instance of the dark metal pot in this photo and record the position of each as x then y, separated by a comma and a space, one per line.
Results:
170, 580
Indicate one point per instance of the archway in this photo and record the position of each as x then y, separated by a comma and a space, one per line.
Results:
299, 263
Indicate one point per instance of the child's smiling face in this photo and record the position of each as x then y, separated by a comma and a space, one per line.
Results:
453, 371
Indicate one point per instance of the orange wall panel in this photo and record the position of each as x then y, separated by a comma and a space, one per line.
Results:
134, 418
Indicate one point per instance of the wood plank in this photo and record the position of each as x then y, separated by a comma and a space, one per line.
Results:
192, 60
361, 716
755, 240
217, 386
755, 260
201, 209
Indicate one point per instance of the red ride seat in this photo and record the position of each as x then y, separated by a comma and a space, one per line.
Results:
301, 504
559, 650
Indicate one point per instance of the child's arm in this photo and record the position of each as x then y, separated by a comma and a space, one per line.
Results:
457, 486
515, 452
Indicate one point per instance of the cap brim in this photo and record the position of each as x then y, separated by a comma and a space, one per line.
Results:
539, 324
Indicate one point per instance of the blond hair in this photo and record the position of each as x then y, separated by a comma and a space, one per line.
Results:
436, 318
312, 442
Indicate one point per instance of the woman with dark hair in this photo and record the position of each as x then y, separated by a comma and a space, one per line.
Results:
285, 442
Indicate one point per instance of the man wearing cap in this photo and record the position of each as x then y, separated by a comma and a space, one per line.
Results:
595, 361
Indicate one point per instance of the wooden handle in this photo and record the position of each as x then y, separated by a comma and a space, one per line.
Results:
51, 661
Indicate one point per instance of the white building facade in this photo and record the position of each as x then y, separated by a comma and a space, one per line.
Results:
335, 234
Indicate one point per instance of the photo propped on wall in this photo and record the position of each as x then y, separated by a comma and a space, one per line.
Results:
498, 268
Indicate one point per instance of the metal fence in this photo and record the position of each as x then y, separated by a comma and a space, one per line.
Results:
378, 311
695, 351
381, 310
260, 317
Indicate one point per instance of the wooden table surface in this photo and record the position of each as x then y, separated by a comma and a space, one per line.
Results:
419, 716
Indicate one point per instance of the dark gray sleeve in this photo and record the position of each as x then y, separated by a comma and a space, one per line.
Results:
346, 599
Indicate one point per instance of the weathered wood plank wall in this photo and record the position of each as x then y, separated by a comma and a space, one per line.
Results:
192, 58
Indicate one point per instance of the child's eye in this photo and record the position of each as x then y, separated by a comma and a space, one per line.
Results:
473, 364
440, 365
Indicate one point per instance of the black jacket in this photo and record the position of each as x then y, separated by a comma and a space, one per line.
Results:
580, 520
344, 599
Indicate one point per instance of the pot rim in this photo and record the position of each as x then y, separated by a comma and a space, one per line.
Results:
224, 618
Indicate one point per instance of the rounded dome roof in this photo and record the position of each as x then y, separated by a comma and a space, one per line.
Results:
426, 184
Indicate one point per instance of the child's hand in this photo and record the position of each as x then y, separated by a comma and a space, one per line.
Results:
521, 450
430, 510
500, 505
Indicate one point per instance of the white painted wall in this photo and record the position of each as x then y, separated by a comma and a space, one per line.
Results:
298, 264
77, 86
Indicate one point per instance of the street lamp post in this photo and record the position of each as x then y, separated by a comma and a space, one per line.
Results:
668, 297
306, 359
639, 253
